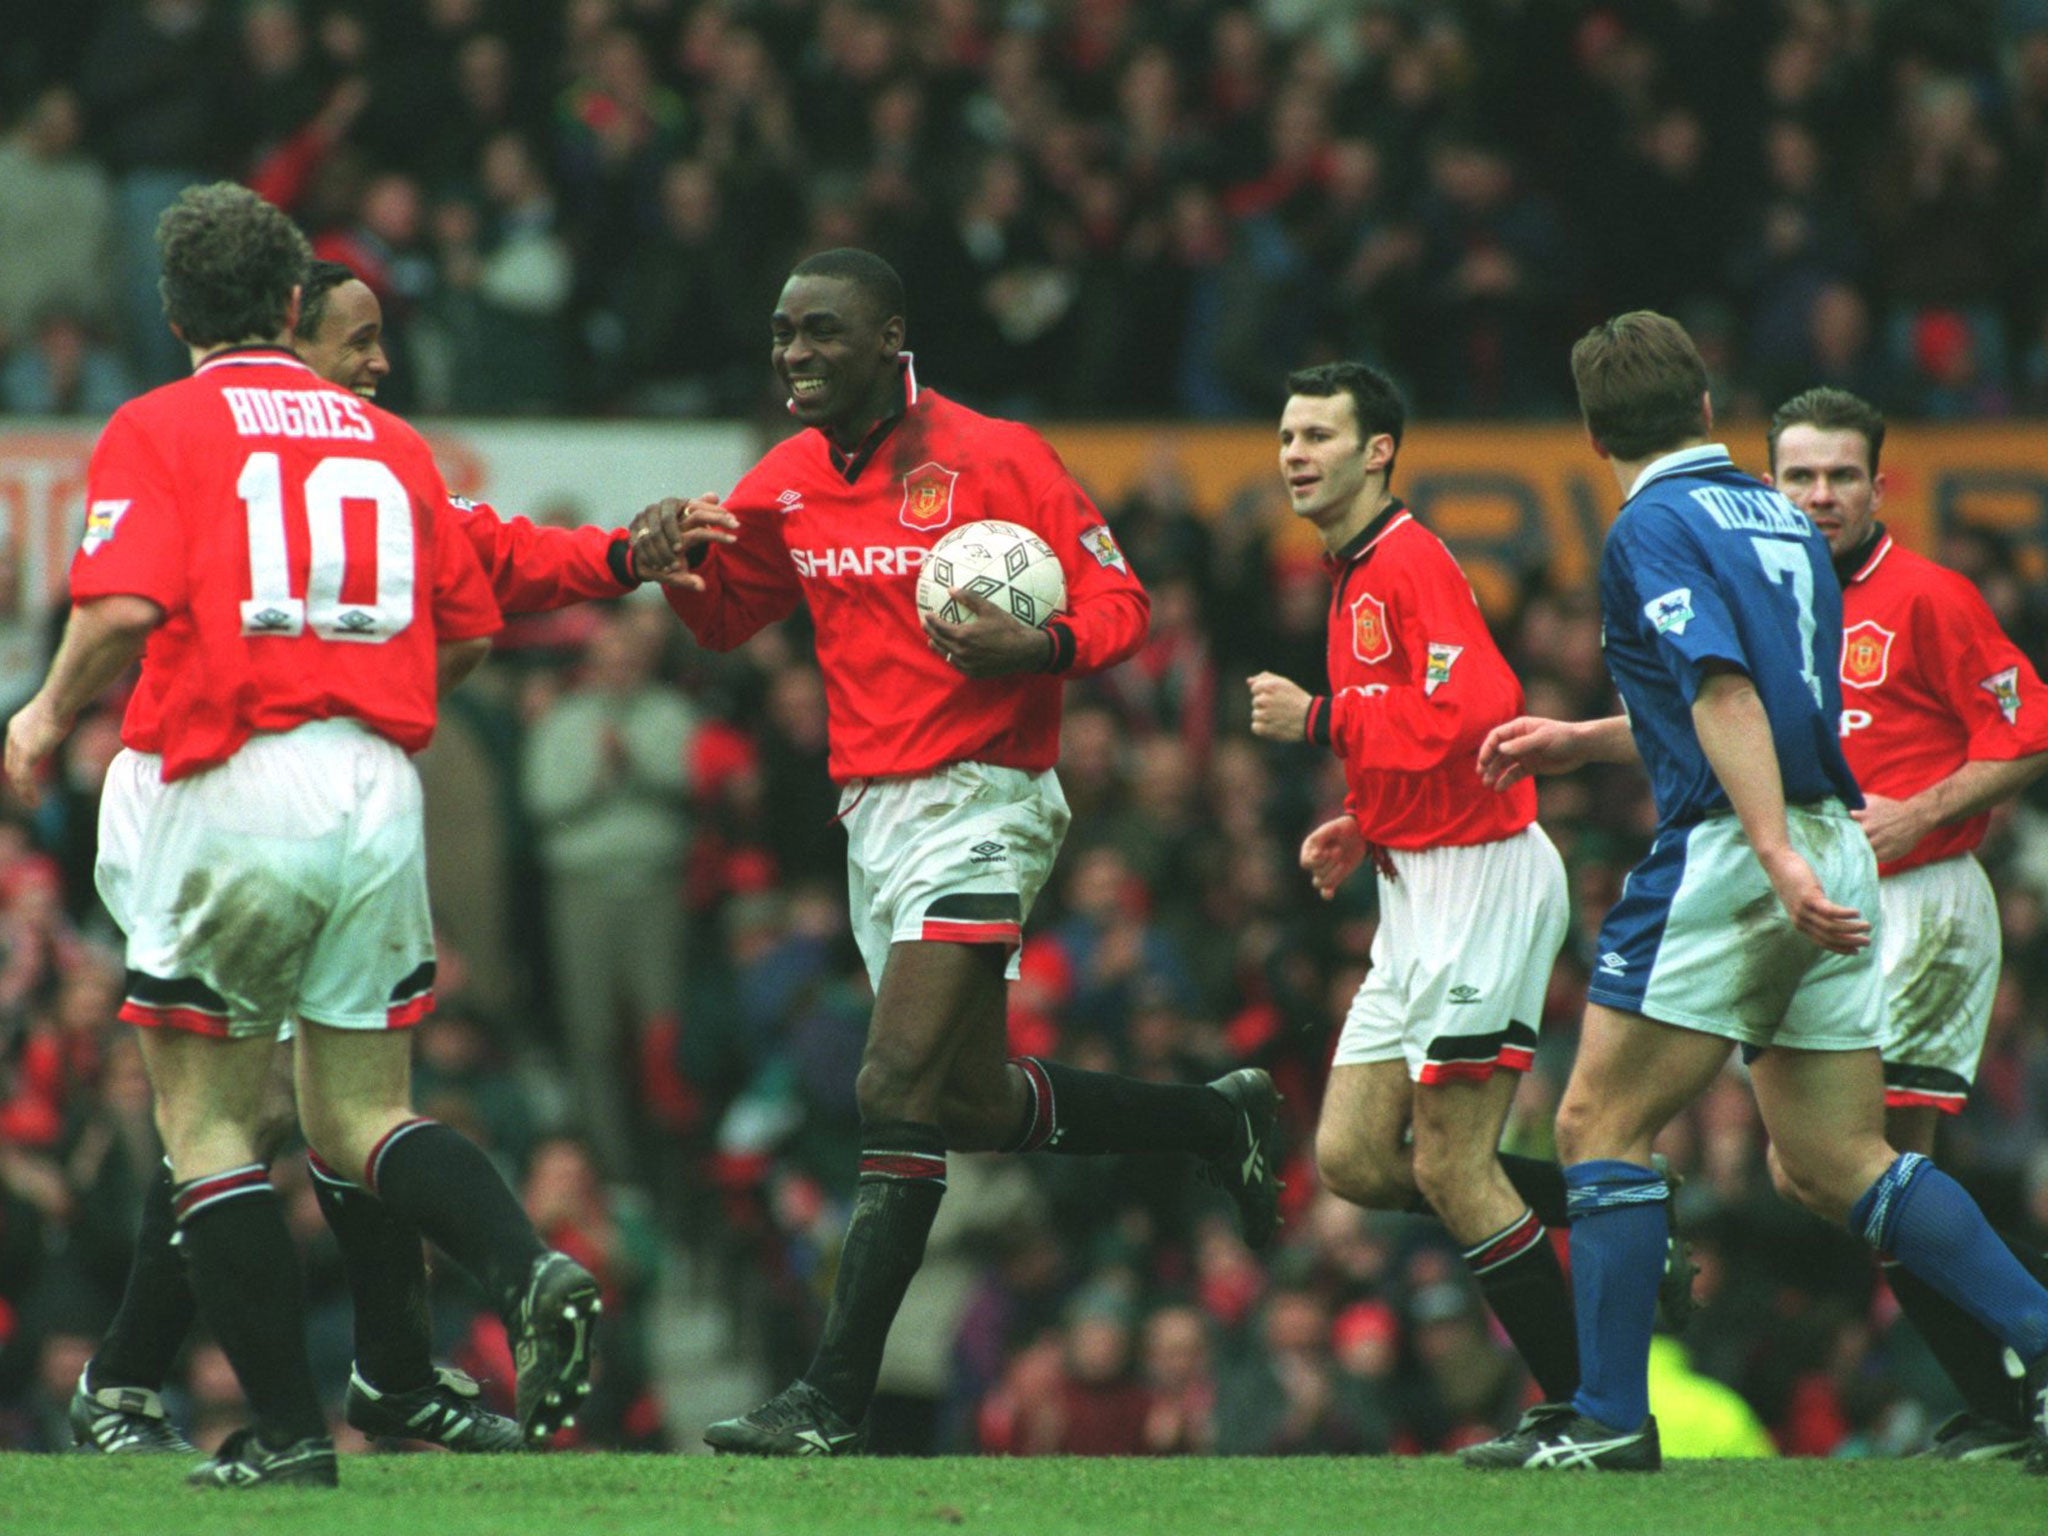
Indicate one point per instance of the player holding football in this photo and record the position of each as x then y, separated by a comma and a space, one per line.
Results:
279, 869
394, 1391
1943, 719
1744, 924
1471, 893
943, 738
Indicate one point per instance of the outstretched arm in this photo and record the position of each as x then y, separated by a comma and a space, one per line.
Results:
1530, 744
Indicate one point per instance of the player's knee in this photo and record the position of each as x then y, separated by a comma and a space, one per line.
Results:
1446, 1170
1826, 1187
887, 1087
1351, 1171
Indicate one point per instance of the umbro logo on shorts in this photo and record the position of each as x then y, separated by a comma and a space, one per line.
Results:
1464, 994
1613, 964
989, 852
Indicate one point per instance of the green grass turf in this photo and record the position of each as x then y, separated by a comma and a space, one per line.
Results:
624, 1496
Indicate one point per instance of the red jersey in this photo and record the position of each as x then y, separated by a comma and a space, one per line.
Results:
301, 545
1416, 682
532, 568
1929, 683
846, 536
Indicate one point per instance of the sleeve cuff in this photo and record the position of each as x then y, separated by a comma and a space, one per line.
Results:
1062, 646
1318, 728
619, 556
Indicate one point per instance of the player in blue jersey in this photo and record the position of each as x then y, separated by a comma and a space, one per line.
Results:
1744, 924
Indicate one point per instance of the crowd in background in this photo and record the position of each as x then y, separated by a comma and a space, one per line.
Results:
1100, 209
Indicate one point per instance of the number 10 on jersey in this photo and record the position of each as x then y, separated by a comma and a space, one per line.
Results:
271, 609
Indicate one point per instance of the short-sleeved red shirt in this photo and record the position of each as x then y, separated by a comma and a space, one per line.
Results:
1929, 683
1416, 682
301, 544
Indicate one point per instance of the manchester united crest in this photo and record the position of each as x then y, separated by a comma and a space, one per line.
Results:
928, 497
1866, 654
1370, 641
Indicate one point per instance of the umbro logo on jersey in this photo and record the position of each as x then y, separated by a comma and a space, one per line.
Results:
1613, 964
988, 852
790, 501
1464, 994
269, 621
356, 622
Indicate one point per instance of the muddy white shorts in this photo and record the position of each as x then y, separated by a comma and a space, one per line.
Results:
1461, 960
954, 856
1940, 945
290, 880
1699, 939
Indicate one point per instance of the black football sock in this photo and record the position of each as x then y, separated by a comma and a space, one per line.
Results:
1523, 1282
1540, 1183
902, 1179
439, 1181
1094, 1112
157, 1306
245, 1273
387, 1283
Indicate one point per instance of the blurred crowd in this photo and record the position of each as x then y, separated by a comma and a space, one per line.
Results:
1102, 207
652, 1012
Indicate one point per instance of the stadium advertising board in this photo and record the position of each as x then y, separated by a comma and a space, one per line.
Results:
1508, 499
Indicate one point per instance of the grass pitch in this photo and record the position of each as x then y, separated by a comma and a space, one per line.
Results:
673, 1495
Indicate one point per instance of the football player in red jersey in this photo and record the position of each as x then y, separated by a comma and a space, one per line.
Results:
1942, 718
261, 841
1472, 895
943, 738
394, 1391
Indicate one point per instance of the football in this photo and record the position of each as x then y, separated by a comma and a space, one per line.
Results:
1009, 565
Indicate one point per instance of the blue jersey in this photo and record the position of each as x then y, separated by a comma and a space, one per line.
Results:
1706, 565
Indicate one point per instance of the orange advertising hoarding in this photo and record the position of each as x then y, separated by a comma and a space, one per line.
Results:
1513, 499
1509, 499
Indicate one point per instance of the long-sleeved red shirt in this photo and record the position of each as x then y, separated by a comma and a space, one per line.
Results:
1929, 683
1416, 682
533, 568
846, 537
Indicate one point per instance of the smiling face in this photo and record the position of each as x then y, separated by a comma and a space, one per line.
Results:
1825, 473
835, 353
1327, 468
348, 347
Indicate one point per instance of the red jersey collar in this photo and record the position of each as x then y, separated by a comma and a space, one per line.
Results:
1884, 547
1390, 517
245, 357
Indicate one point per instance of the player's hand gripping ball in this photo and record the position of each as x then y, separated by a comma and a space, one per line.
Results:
1008, 565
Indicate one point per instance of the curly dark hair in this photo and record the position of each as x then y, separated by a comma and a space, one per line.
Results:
230, 263
322, 278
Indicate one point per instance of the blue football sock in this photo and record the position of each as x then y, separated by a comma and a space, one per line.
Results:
1619, 1230
1928, 1222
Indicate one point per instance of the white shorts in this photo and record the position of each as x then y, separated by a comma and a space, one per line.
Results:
1699, 939
291, 879
1940, 947
1461, 961
954, 856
